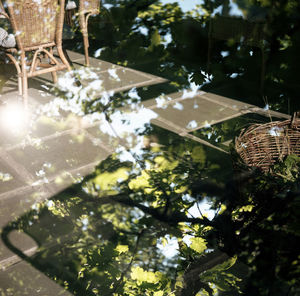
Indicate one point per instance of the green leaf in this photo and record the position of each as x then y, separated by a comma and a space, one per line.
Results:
198, 154
198, 244
155, 40
122, 249
140, 275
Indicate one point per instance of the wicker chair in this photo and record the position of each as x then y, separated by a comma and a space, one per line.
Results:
37, 26
86, 9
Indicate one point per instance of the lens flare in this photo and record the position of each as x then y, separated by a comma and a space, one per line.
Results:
13, 118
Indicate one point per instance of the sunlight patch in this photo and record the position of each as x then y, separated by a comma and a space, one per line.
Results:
13, 117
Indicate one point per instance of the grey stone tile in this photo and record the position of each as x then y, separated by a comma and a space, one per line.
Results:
75, 55
115, 78
149, 76
9, 138
108, 142
153, 103
226, 101
9, 179
23, 279
167, 125
66, 179
13, 206
120, 79
19, 240
42, 82
193, 113
58, 154
99, 64
44, 126
115, 138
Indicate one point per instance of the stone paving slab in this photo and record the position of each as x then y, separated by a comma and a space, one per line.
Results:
189, 110
12, 207
22, 279
58, 154
200, 107
9, 178
21, 241
78, 59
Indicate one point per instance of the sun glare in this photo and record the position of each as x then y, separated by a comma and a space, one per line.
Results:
13, 117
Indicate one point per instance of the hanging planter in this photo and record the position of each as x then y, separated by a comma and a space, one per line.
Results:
262, 145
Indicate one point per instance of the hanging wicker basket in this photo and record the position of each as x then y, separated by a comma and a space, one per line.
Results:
261, 145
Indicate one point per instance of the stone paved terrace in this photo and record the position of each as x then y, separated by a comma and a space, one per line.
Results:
60, 146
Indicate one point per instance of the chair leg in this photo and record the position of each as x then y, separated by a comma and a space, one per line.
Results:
19, 72
83, 20
20, 85
54, 76
86, 48
25, 90
63, 58
24, 80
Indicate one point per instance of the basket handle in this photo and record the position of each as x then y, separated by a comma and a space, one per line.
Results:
295, 121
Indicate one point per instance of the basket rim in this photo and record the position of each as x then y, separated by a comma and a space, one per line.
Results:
258, 127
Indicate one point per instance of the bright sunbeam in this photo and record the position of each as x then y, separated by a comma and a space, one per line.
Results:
13, 117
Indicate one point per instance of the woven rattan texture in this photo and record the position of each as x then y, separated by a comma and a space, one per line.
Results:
262, 145
35, 21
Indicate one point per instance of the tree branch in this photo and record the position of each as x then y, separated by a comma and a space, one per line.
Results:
192, 283
157, 213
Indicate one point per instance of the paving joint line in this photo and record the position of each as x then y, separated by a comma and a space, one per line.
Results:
184, 133
176, 100
53, 136
27, 189
98, 142
15, 259
18, 168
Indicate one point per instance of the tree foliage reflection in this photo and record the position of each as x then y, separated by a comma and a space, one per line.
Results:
105, 235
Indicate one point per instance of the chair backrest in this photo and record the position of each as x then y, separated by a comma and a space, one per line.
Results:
89, 6
36, 22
